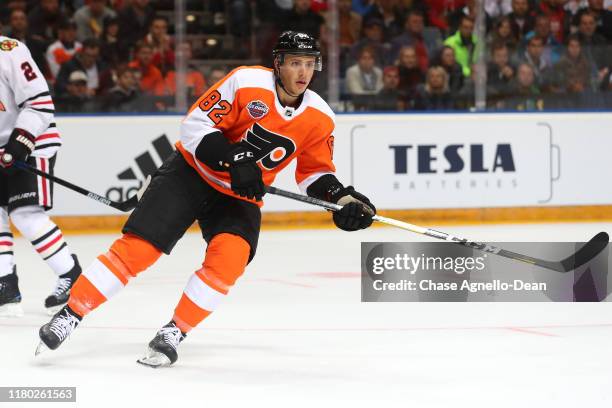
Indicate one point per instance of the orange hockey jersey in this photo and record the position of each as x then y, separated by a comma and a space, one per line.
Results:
244, 106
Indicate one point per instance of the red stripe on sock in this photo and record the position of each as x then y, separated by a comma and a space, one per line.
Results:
42, 249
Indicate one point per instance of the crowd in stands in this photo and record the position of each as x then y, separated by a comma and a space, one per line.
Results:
395, 55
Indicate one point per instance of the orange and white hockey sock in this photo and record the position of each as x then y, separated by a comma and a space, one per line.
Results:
46, 238
110, 272
226, 257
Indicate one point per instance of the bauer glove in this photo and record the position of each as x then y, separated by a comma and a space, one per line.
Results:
245, 174
357, 210
20, 145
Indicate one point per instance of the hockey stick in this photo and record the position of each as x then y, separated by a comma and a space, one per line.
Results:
124, 206
597, 244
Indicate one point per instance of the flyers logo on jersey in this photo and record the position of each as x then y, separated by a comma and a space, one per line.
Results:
8, 45
257, 109
2, 108
270, 149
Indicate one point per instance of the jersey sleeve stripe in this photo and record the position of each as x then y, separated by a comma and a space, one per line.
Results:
47, 136
46, 93
49, 102
44, 110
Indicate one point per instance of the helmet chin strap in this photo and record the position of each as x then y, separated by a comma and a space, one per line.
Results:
280, 83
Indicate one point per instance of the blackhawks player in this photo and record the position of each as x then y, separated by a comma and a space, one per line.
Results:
28, 133
233, 142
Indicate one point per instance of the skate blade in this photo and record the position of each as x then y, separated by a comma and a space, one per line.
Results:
11, 310
42, 347
154, 359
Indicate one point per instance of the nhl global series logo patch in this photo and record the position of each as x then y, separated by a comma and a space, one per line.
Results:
257, 109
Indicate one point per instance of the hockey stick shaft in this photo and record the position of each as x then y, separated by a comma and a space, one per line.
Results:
125, 206
585, 254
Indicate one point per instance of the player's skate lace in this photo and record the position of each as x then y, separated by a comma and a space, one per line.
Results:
172, 335
63, 325
62, 285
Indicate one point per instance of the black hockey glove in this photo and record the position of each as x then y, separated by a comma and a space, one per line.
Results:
357, 210
244, 172
20, 145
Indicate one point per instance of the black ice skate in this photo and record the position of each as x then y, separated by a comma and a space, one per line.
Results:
162, 349
61, 293
10, 297
53, 334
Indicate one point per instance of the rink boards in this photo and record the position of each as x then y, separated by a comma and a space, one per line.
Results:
442, 167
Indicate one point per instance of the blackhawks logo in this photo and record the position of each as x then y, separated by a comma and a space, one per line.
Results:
8, 45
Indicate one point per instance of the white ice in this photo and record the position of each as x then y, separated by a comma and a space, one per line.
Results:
293, 332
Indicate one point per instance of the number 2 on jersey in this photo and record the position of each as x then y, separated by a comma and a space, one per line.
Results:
217, 108
28, 71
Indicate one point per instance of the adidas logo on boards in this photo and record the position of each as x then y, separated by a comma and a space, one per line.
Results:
146, 165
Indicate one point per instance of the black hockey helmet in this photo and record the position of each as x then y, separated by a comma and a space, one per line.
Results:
297, 43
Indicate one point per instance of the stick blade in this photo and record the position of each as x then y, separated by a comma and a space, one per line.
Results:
589, 251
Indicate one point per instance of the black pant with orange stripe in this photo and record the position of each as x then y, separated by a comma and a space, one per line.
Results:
177, 196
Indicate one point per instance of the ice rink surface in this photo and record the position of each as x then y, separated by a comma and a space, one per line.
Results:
293, 332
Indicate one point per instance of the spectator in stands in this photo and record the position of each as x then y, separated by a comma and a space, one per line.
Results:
559, 17
414, 35
410, 73
594, 45
302, 18
363, 7
90, 19
522, 18
76, 98
446, 59
349, 22
388, 12
533, 57
574, 64
552, 48
112, 51
62, 50
372, 38
44, 20
216, 74
603, 17
389, 98
434, 94
18, 29
151, 79
7, 7
524, 93
125, 95
364, 78
88, 61
503, 32
194, 80
500, 72
470, 10
160, 42
463, 42
134, 22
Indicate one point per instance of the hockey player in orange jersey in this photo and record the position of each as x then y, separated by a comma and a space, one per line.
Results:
233, 142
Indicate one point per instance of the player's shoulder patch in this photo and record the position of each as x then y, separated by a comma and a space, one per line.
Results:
8, 45
257, 109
